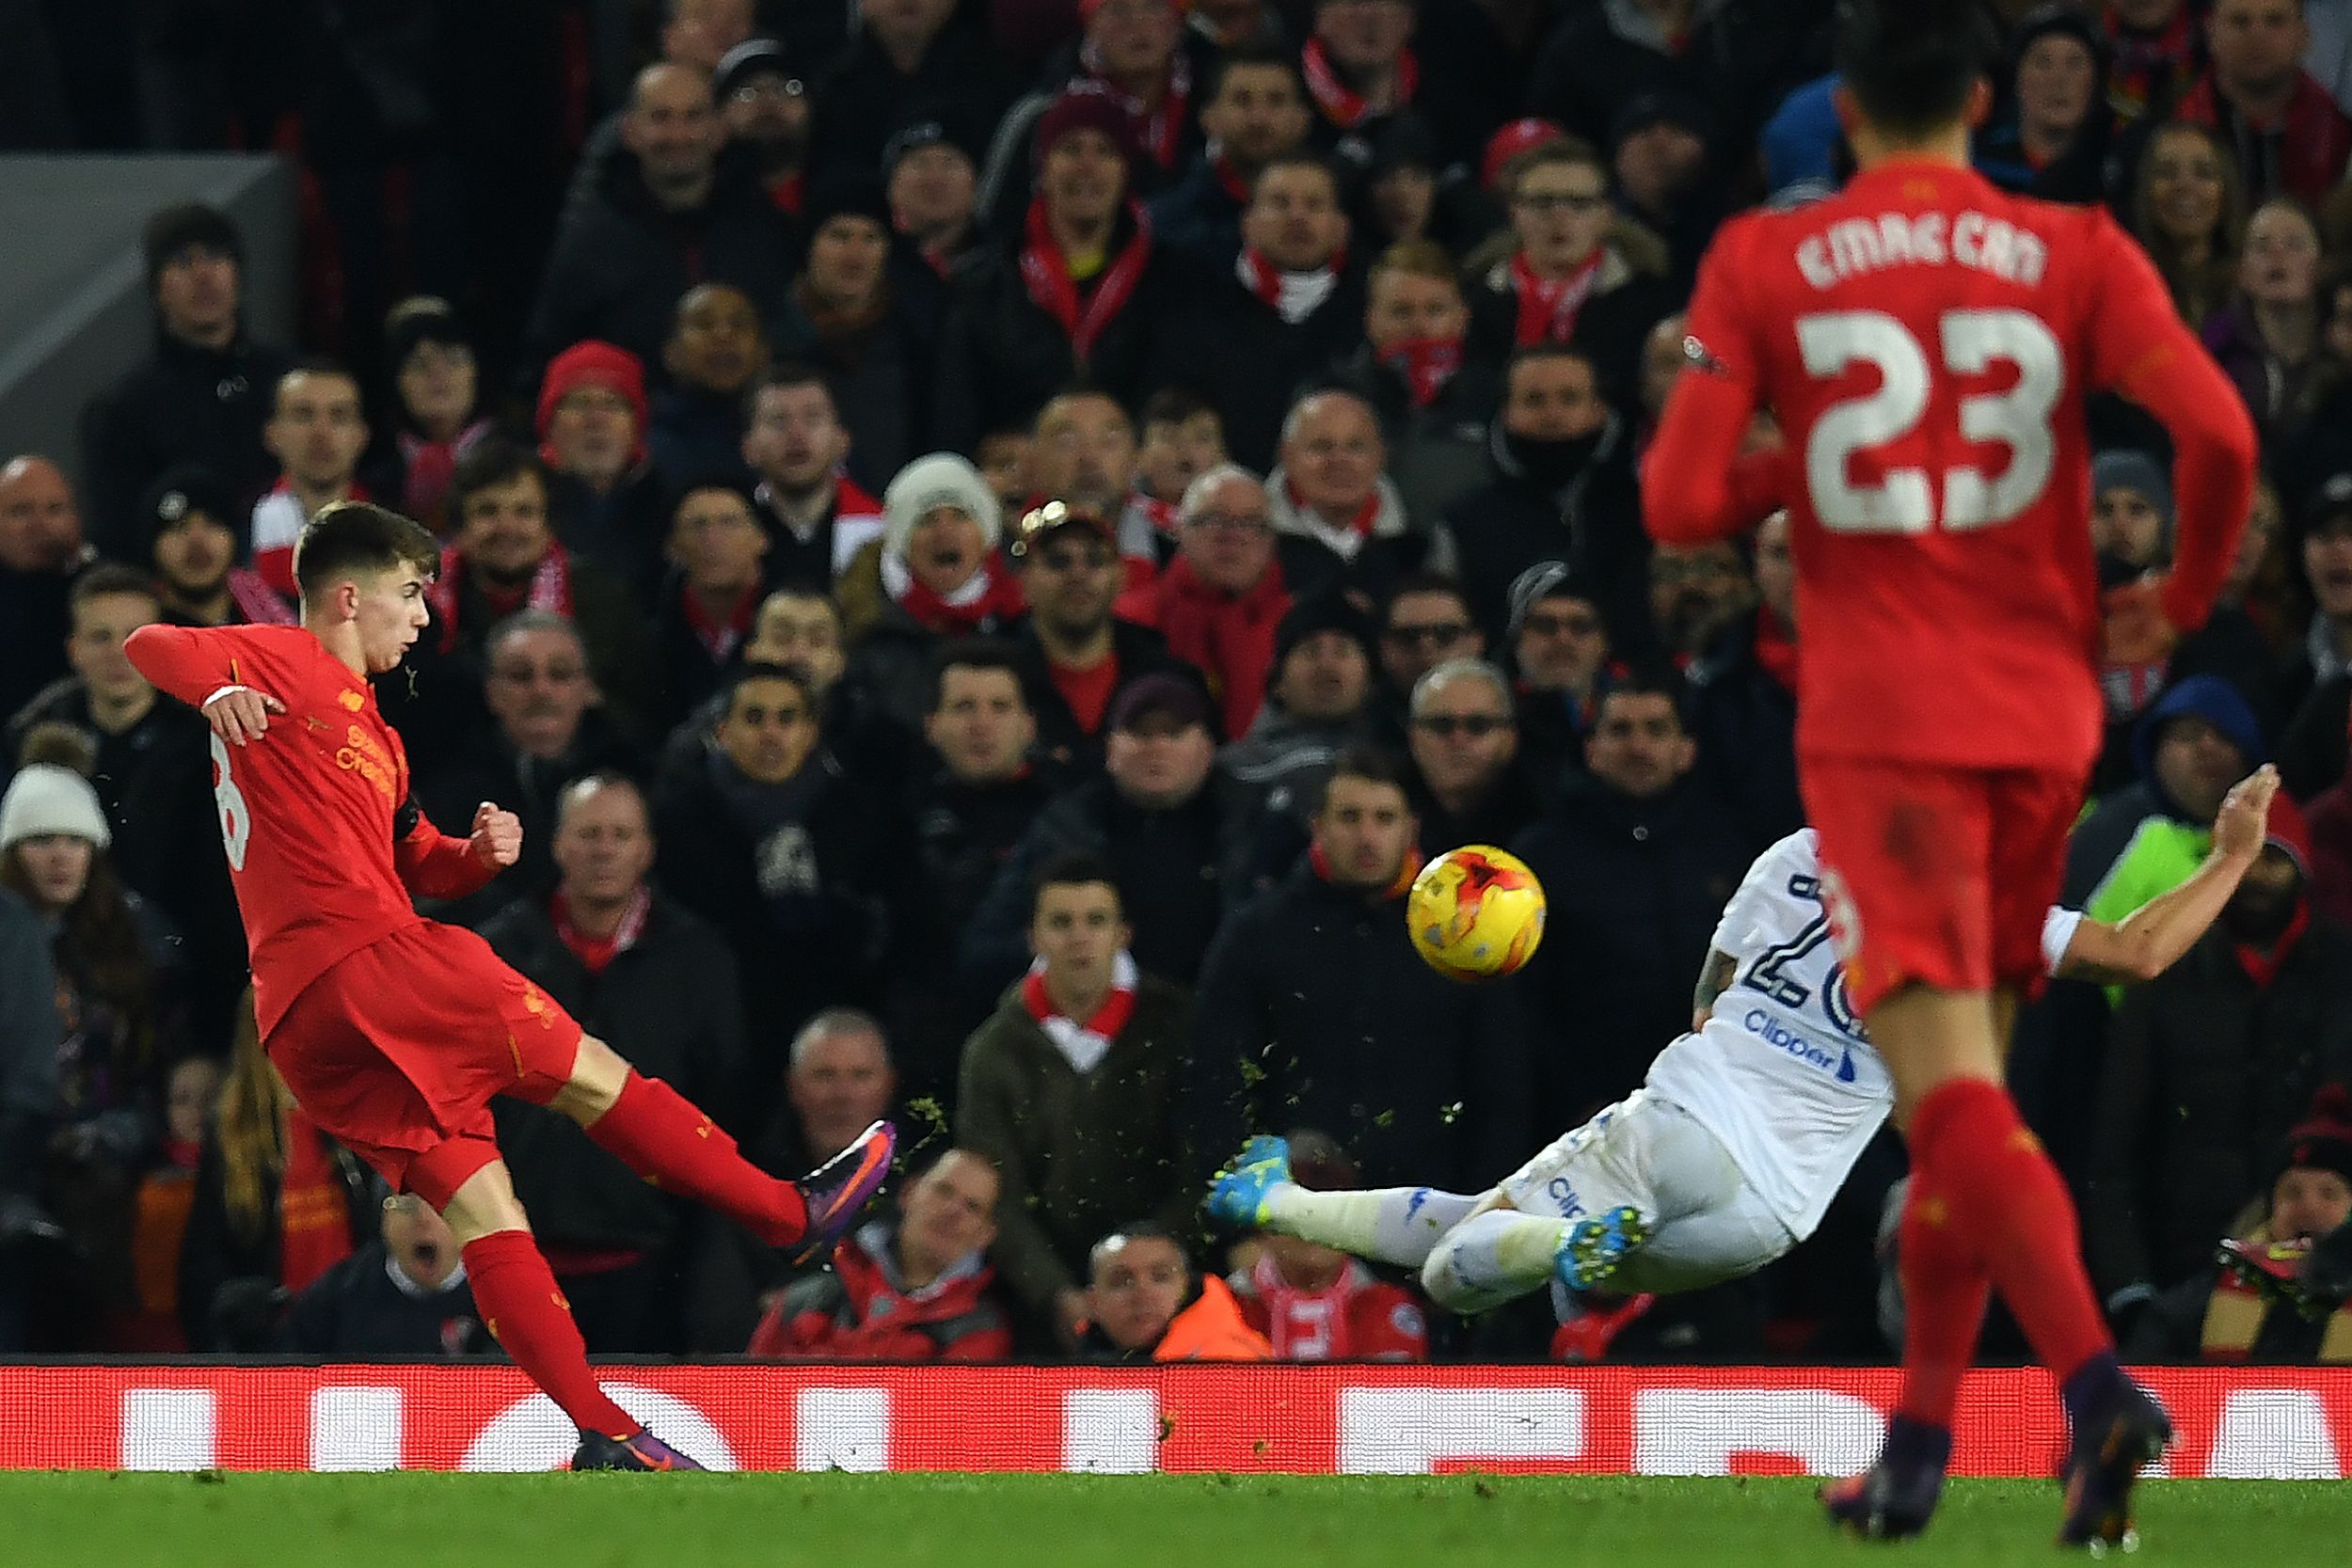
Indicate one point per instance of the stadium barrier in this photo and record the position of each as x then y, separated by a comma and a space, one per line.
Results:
2255, 1424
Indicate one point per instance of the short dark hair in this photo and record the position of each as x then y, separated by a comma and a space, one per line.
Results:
1074, 868
1423, 582
767, 669
1575, 349
105, 579
1372, 764
1176, 405
189, 226
972, 652
495, 460
1256, 54
785, 374
351, 537
1302, 157
1911, 64
315, 364
1646, 680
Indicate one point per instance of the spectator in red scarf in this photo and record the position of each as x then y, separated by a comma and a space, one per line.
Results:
1339, 523
934, 574
917, 1287
766, 109
1315, 1304
1222, 596
817, 517
1255, 112
603, 491
2289, 137
1130, 48
317, 432
1743, 700
1578, 272
717, 579
1084, 292
2158, 50
1431, 395
436, 399
505, 556
1358, 72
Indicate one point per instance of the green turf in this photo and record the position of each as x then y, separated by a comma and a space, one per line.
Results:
840, 1521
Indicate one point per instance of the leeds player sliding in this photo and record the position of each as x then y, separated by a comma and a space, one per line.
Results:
1730, 1154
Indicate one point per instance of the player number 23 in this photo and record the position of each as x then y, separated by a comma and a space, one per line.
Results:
236, 818
1904, 500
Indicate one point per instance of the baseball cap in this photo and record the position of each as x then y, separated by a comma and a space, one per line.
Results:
1160, 696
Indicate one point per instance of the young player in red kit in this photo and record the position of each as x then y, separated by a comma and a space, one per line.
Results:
1927, 342
393, 1031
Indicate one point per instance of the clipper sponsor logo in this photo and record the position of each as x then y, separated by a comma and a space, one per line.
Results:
1804, 1048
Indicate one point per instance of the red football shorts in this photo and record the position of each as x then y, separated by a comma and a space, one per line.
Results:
1936, 874
397, 1050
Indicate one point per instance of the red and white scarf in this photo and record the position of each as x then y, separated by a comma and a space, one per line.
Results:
1083, 1044
1341, 104
719, 639
1228, 177
1549, 306
1159, 132
1292, 296
550, 588
989, 599
279, 519
1426, 364
431, 466
1046, 273
595, 952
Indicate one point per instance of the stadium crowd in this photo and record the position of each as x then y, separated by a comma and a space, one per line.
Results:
986, 541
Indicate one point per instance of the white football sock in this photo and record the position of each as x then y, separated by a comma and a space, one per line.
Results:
1387, 1224
1492, 1257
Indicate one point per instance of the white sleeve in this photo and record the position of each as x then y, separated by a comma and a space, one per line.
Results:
1765, 882
2057, 935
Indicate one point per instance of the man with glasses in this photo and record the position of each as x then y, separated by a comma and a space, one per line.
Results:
1464, 738
1223, 594
1560, 650
765, 109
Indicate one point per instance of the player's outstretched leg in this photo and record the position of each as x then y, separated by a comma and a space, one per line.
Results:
1499, 1254
1387, 1224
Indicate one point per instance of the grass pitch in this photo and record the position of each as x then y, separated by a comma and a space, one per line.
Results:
61, 1520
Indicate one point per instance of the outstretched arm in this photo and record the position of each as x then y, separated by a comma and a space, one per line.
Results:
2152, 938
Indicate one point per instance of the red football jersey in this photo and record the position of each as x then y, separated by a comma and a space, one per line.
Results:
1926, 342
308, 811
1356, 1318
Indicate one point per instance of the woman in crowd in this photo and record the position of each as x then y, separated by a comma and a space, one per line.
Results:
2267, 337
2190, 214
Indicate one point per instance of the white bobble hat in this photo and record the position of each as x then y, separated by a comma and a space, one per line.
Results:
46, 801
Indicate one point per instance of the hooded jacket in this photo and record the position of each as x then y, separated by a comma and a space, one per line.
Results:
2138, 843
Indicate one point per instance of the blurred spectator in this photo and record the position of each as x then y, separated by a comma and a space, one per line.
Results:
277, 1203
1158, 820
800, 627
505, 557
1339, 523
1693, 595
915, 1288
1469, 787
935, 573
1142, 1303
1002, 456
1315, 1304
1314, 1008
2189, 210
1431, 395
2051, 139
2291, 140
606, 500
201, 398
1744, 701
1222, 597
40, 550
197, 583
2312, 755
2319, 442
159, 1223
1128, 51
1318, 701
1578, 272
1560, 488
2131, 509
31, 1032
1362, 79
318, 432
710, 595
1075, 654
665, 210
1069, 1088
968, 808
1425, 621
1398, 199
2267, 337
695, 427
2216, 1316
1084, 291
765, 109
766, 835
817, 517
2146, 837
437, 406
1253, 112
1659, 152
1280, 312
546, 731
638, 970
931, 178
1559, 657
2207, 1068
845, 316
1662, 360
1082, 451
901, 51
1183, 438
401, 1297
1637, 861
2159, 49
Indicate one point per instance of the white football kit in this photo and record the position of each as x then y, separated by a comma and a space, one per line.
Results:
1745, 1129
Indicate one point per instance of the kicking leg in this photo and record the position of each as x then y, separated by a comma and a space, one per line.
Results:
1387, 1224
1496, 1255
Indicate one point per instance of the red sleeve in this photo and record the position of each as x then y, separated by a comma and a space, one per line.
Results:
1695, 486
2140, 347
431, 864
1389, 1326
188, 663
991, 1344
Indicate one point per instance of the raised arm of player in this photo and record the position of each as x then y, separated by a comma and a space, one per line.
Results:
2152, 938
2140, 347
198, 666
1695, 486
433, 865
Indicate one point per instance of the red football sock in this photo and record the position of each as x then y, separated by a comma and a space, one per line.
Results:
2012, 1210
656, 1132
533, 1323
1945, 1292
